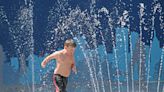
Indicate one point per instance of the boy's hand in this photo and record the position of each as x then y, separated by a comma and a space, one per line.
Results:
43, 65
74, 70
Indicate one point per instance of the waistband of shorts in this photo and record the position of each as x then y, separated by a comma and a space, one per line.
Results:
60, 75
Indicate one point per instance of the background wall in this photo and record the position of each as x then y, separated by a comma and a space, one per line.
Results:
120, 44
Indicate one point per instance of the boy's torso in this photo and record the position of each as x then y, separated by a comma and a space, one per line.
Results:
63, 64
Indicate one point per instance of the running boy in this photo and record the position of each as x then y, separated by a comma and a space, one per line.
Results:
64, 63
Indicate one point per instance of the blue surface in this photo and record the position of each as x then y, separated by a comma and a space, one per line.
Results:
31, 30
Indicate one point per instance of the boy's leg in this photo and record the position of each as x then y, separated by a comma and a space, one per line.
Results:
60, 83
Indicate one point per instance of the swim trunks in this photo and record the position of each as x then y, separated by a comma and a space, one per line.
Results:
60, 82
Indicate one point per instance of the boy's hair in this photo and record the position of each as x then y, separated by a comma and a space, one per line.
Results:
70, 42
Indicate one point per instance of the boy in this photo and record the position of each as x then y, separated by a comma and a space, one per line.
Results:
65, 62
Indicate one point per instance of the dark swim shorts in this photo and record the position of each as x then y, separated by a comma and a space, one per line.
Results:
60, 82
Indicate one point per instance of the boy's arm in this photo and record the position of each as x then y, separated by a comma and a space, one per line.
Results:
48, 58
74, 67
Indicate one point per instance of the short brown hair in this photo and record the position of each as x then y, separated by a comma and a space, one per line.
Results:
70, 42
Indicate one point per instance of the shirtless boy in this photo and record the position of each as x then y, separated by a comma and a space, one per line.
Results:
64, 64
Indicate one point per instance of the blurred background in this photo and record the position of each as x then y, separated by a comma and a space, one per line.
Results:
120, 44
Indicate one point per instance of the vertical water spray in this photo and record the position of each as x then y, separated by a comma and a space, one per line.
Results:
75, 21
115, 52
89, 66
160, 70
98, 59
100, 67
32, 45
141, 14
92, 72
91, 27
131, 57
106, 12
124, 19
131, 51
154, 9
106, 61
162, 54
131, 60
93, 66
21, 32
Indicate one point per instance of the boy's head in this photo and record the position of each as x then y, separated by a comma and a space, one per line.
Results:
70, 45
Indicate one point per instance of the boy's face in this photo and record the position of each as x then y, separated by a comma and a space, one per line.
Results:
70, 49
